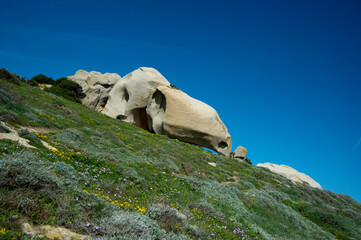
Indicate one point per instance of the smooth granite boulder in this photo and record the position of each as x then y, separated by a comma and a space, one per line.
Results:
290, 173
190, 120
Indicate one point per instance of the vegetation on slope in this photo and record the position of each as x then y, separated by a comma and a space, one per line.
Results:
112, 180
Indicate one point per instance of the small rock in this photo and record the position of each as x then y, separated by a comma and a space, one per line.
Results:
51, 232
212, 164
240, 153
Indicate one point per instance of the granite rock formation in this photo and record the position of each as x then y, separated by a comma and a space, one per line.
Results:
146, 99
290, 173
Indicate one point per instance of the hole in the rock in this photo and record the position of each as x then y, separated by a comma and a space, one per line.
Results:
126, 95
159, 98
121, 117
222, 144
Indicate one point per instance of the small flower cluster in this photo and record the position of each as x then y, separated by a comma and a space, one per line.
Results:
124, 205
141, 209
95, 228
63, 155
242, 233
3, 231
51, 118
39, 135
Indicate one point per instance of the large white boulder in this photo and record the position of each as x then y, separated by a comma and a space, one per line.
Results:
146, 99
290, 173
180, 116
96, 87
129, 97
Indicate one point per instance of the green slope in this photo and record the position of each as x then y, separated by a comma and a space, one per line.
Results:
112, 180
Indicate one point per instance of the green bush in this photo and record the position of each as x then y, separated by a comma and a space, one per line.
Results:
70, 136
23, 169
10, 77
67, 89
41, 79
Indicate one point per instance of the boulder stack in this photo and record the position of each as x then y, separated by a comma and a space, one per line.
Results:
146, 99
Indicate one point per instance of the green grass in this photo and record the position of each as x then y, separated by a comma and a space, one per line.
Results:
121, 180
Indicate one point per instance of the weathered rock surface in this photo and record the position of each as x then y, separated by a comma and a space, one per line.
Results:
96, 87
145, 98
189, 120
12, 135
129, 97
240, 153
52, 232
290, 173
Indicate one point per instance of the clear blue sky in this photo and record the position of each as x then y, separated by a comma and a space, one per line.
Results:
284, 76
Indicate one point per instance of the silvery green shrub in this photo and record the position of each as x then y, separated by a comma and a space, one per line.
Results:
129, 225
24, 169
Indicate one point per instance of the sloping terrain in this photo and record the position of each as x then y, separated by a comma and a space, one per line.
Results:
111, 180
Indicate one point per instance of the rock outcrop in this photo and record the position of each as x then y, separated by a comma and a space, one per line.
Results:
11, 134
96, 87
240, 153
290, 173
146, 99
51, 232
190, 120
129, 97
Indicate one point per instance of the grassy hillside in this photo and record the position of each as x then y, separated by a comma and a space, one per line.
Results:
111, 180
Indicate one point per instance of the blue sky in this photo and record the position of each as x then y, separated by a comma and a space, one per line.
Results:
284, 76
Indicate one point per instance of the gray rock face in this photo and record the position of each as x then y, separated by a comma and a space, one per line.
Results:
96, 87
240, 153
145, 98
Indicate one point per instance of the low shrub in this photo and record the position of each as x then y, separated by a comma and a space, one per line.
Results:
70, 136
67, 89
208, 209
23, 169
8, 117
129, 225
174, 87
34, 140
167, 218
41, 79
